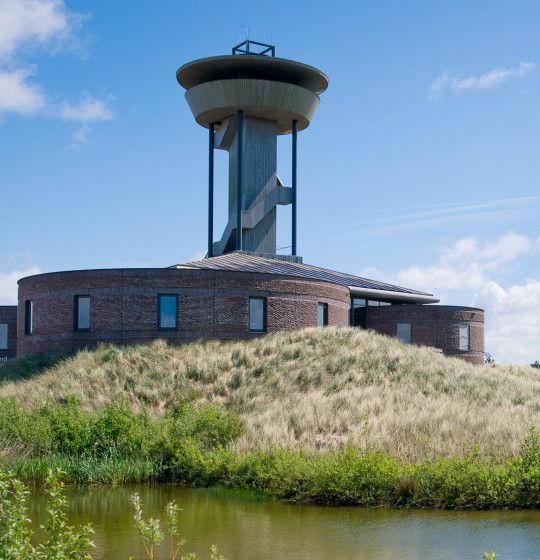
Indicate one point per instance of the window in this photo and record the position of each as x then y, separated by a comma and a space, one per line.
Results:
3, 336
168, 312
403, 332
358, 312
82, 313
322, 314
257, 314
28, 317
464, 337
378, 303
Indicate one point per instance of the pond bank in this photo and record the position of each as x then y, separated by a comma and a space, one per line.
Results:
194, 446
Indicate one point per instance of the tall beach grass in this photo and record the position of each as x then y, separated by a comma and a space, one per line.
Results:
312, 390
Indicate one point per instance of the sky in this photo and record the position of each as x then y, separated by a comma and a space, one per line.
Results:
421, 166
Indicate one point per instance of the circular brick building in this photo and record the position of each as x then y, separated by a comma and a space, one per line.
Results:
234, 296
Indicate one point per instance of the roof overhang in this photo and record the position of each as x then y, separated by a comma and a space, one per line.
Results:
393, 296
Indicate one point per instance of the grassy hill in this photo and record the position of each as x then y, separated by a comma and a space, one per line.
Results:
315, 389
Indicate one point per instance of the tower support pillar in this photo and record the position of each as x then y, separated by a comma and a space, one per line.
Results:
294, 186
211, 190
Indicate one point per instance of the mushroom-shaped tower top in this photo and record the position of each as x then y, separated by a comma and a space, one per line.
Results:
259, 67
264, 87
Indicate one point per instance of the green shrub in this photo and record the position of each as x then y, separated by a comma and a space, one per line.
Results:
70, 426
191, 444
62, 540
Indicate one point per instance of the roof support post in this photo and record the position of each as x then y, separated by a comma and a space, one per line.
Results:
211, 131
239, 205
294, 141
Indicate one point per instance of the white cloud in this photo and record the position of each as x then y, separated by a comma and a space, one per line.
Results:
512, 317
512, 320
88, 109
8, 284
18, 95
32, 21
441, 277
26, 24
489, 80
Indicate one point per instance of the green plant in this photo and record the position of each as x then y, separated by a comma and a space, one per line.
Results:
62, 541
152, 535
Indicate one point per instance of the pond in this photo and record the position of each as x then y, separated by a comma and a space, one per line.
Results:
247, 528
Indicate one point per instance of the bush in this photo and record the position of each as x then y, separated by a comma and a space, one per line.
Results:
61, 540
190, 444
114, 444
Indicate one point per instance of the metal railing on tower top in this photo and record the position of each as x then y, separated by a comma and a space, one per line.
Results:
245, 48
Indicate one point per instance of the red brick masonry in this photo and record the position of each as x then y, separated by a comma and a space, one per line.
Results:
124, 308
8, 316
434, 325
212, 304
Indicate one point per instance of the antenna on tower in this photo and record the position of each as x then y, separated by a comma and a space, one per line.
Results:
247, 29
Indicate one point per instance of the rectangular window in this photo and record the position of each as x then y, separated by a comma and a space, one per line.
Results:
82, 313
403, 332
322, 314
464, 337
257, 314
28, 317
168, 312
3, 337
358, 312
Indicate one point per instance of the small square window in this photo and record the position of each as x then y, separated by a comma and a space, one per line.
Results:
257, 314
464, 337
3, 336
82, 313
322, 314
168, 312
403, 332
28, 317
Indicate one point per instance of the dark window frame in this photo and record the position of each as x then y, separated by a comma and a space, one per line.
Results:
364, 322
325, 313
29, 317
410, 331
265, 314
165, 329
76, 299
7, 335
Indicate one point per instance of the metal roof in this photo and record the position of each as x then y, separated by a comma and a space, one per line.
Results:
242, 262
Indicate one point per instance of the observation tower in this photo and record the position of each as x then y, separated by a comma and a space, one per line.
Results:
245, 100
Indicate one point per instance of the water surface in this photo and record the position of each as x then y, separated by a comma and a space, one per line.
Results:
245, 528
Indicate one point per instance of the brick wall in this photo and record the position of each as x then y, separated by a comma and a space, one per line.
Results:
434, 325
8, 316
212, 304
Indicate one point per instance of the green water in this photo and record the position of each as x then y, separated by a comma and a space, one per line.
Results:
248, 529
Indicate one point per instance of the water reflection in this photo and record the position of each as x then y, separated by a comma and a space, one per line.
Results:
248, 529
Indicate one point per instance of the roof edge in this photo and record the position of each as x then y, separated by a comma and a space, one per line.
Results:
401, 296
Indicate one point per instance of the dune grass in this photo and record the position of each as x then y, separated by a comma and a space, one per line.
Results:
311, 390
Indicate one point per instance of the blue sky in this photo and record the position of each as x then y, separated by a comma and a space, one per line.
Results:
421, 167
